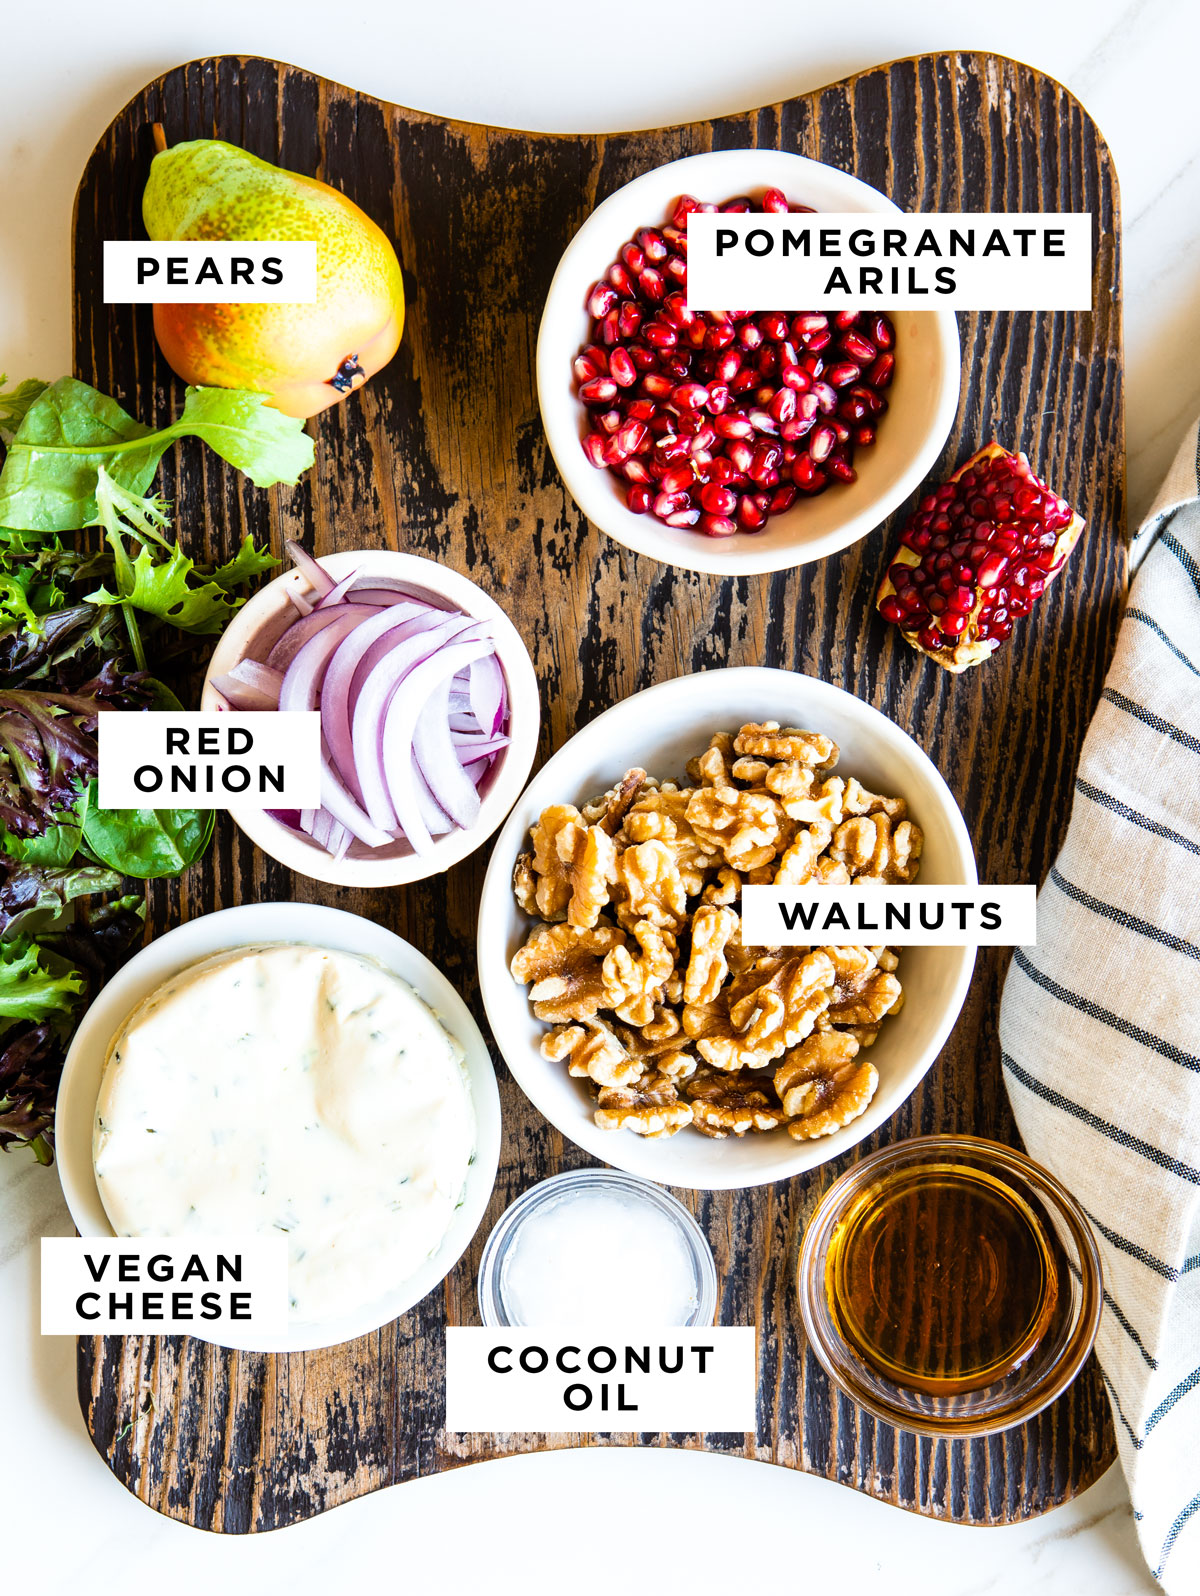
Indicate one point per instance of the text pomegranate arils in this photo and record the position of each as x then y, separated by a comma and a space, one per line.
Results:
975, 555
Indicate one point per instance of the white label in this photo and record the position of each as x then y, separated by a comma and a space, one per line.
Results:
960, 260
912, 917
106, 1285
210, 759
216, 272
597, 1382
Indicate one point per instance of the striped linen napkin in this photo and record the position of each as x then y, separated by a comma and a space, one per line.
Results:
1100, 1025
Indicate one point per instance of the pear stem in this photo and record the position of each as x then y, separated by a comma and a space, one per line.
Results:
159, 135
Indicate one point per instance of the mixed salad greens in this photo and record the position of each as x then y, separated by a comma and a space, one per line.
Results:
78, 626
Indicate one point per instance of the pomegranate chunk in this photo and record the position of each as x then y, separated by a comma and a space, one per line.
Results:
764, 406
975, 555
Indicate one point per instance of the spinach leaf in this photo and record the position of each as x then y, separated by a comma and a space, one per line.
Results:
146, 843
48, 483
70, 431
15, 403
245, 429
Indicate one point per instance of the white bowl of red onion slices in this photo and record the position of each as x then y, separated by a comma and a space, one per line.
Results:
429, 711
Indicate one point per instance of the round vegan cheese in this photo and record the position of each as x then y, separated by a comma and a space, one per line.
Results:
289, 1090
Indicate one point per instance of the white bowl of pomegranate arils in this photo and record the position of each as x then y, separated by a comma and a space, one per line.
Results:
733, 442
429, 711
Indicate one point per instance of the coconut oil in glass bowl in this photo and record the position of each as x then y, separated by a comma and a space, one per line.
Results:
597, 1247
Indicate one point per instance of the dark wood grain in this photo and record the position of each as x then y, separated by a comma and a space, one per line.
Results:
443, 454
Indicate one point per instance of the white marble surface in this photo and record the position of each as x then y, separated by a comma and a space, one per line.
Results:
590, 1518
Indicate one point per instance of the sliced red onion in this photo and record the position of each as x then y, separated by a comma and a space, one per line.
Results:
486, 692
317, 577
438, 761
389, 595
377, 693
403, 712
471, 748
339, 593
299, 632
384, 628
303, 677
240, 695
298, 602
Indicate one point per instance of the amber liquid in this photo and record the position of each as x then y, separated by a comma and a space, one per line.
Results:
944, 1279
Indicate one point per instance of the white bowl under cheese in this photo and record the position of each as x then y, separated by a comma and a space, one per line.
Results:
289, 1089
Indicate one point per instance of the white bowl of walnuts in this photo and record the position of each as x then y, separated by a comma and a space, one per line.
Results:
610, 955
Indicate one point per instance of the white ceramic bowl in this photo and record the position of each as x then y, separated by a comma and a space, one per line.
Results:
265, 618
247, 926
923, 397
660, 729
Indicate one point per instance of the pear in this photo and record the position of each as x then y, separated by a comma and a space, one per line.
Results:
306, 357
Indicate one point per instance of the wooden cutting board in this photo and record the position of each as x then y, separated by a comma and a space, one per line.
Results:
443, 454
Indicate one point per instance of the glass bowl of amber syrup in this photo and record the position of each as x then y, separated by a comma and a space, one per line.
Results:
950, 1285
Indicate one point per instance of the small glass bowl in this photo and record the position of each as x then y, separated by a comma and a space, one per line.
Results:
1015, 1396
492, 1306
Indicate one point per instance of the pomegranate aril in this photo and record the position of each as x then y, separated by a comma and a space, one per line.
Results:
783, 405
750, 515
601, 300
718, 500
621, 368
717, 526
733, 424
634, 257
684, 206
774, 201
821, 443
631, 436
600, 391
739, 204
842, 374
593, 447
639, 499
618, 276
774, 325
809, 322
629, 318
782, 499
880, 374
654, 245
856, 348
689, 396
840, 469
659, 336
678, 479
651, 284
681, 518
